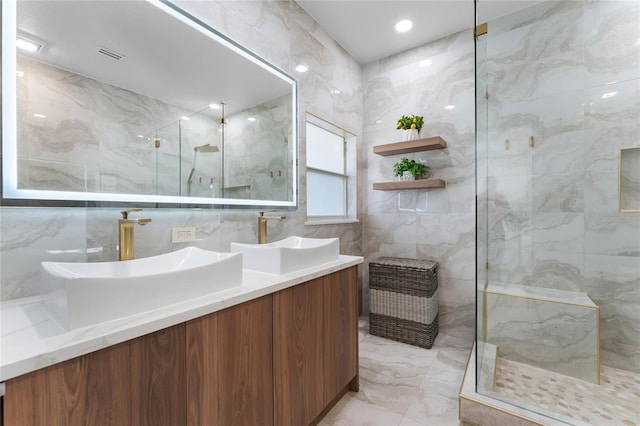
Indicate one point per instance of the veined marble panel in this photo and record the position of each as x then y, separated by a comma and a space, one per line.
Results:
558, 270
30, 236
603, 144
545, 328
613, 105
629, 186
558, 193
613, 282
611, 34
612, 233
601, 192
558, 232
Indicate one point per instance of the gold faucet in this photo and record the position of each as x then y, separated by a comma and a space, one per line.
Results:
262, 226
125, 233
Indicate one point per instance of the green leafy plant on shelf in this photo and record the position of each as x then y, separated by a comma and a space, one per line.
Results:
407, 122
416, 169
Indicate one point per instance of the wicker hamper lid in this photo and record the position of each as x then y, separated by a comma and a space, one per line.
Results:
406, 263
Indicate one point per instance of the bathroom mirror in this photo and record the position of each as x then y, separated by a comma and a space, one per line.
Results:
629, 179
138, 101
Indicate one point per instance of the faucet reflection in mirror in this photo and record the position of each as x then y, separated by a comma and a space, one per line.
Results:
125, 233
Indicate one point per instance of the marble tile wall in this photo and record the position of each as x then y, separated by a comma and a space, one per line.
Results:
568, 74
94, 149
285, 35
257, 160
436, 224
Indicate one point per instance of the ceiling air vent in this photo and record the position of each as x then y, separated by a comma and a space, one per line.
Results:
111, 53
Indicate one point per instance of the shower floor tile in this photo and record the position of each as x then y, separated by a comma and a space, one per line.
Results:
615, 401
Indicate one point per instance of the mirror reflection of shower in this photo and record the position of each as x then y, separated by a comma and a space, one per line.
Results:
206, 148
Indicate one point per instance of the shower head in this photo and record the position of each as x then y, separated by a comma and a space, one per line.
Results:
206, 148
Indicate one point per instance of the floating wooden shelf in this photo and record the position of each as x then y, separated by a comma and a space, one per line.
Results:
410, 184
427, 144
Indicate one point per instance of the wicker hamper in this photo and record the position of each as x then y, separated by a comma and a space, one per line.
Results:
404, 300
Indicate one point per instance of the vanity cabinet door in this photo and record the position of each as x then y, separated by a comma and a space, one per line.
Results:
341, 332
230, 366
92, 389
298, 354
158, 378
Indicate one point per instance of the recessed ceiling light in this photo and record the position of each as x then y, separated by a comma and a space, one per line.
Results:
214, 106
140, 136
20, 73
450, 107
611, 82
609, 95
251, 119
425, 63
28, 45
404, 26
302, 68
335, 92
39, 115
185, 118
378, 121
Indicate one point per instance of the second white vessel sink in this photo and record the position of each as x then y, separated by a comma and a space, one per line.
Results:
82, 294
288, 255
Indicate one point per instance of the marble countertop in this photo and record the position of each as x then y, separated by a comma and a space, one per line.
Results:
31, 339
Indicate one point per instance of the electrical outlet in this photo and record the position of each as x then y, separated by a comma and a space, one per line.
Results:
184, 234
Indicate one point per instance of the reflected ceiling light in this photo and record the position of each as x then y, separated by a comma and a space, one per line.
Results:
251, 119
425, 63
214, 106
302, 68
39, 115
20, 73
185, 118
450, 107
404, 26
611, 82
609, 95
378, 121
28, 45
140, 136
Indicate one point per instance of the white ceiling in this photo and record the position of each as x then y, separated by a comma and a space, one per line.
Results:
365, 28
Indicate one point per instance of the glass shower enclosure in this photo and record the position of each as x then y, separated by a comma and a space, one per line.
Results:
558, 278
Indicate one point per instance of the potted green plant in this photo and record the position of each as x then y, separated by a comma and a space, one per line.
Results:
411, 125
407, 169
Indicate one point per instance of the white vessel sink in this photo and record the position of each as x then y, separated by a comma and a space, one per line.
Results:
288, 255
82, 294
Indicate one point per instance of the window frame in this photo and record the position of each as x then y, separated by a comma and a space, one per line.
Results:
349, 174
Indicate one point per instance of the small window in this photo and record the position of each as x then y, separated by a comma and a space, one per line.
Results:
331, 173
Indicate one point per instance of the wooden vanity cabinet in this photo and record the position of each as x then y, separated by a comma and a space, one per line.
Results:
282, 359
315, 346
89, 390
158, 378
341, 333
230, 366
298, 369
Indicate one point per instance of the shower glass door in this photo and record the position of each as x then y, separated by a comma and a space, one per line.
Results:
558, 97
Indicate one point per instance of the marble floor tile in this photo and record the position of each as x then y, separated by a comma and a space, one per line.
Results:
403, 385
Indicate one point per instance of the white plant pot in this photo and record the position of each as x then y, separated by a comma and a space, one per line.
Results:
410, 135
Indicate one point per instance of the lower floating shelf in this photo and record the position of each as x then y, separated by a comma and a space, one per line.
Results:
410, 184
